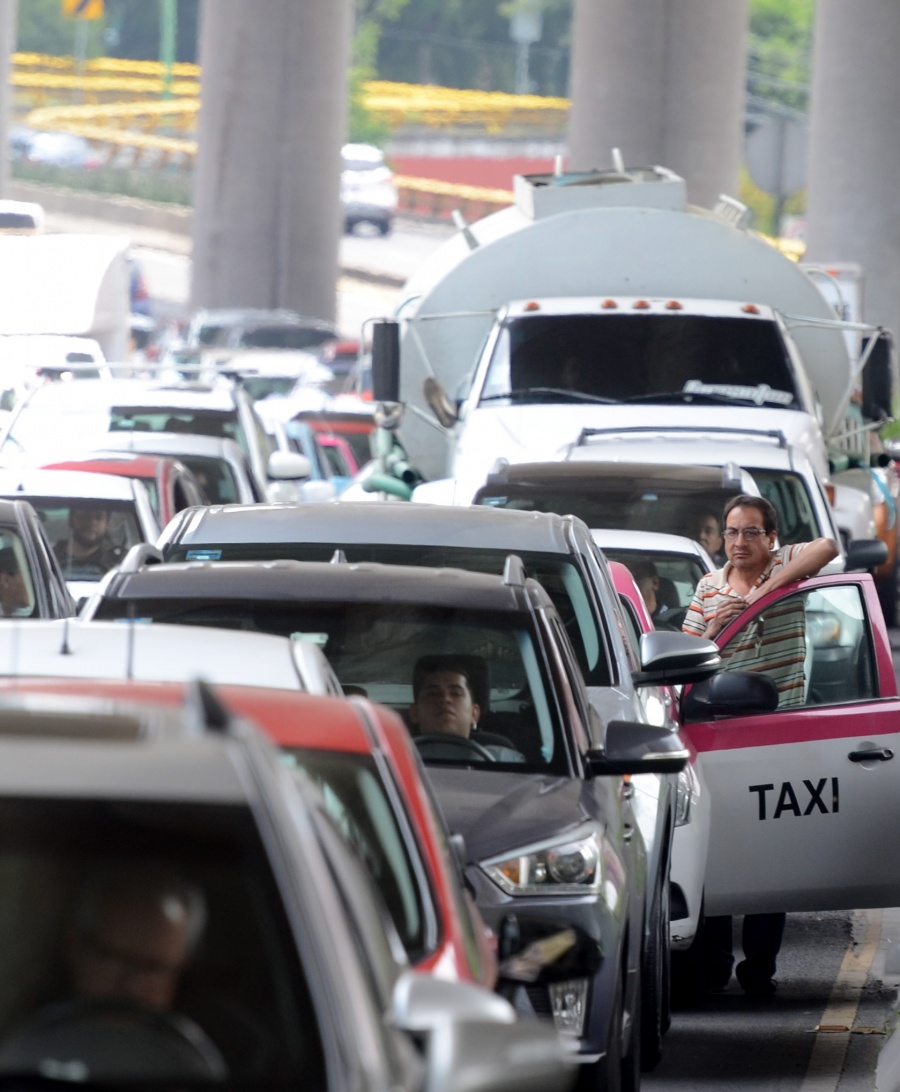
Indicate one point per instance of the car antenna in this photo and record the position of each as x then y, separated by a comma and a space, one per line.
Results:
214, 716
338, 558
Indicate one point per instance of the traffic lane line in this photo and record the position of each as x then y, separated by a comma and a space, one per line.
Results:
836, 1024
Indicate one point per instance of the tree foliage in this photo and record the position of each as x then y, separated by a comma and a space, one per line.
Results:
780, 52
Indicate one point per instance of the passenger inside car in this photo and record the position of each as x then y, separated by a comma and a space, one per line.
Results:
111, 958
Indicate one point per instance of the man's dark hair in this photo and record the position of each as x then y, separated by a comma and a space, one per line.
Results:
474, 670
745, 500
9, 563
642, 568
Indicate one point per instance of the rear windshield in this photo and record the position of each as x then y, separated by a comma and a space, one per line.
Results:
653, 358
375, 648
561, 577
198, 422
790, 497
284, 337
678, 576
75, 876
89, 537
615, 506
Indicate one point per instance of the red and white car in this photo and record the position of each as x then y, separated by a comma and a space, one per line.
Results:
362, 757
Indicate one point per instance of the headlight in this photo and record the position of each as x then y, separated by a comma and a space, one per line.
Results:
573, 866
684, 796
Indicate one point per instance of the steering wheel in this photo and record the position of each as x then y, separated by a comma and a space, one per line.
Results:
112, 1041
434, 742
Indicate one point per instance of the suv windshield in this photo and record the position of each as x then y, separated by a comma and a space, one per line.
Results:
561, 577
227, 1003
375, 648
652, 358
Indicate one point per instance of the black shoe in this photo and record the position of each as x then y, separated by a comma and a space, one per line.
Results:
714, 981
753, 983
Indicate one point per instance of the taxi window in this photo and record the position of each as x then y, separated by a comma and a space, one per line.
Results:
815, 645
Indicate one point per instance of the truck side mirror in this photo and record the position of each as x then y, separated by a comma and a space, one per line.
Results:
878, 378
386, 361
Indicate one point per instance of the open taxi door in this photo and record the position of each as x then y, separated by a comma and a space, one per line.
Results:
803, 765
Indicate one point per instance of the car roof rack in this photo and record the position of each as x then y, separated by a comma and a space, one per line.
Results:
514, 575
139, 556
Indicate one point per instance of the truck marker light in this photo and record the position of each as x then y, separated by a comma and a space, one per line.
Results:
641, 305
609, 305
673, 305
750, 309
532, 305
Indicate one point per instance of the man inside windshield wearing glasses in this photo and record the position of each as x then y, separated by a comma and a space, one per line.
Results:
774, 644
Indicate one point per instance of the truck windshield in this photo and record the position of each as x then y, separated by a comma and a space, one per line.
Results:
641, 357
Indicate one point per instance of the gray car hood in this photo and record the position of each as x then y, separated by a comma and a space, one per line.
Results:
496, 812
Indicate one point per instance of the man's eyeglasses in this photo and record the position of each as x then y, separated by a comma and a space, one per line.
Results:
750, 533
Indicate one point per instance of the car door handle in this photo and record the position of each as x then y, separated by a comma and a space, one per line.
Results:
876, 754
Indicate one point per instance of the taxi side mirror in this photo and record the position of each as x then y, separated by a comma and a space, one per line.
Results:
730, 694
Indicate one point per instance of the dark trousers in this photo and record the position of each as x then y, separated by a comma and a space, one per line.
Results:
760, 939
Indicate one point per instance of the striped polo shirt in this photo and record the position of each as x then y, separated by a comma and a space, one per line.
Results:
775, 642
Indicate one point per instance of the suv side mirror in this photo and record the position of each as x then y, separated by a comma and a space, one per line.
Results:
669, 658
631, 747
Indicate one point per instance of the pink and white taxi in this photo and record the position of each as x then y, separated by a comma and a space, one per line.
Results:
804, 796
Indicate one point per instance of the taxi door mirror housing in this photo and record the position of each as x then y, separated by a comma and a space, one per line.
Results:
668, 659
631, 747
730, 694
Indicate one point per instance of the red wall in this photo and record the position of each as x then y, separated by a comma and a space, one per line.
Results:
470, 170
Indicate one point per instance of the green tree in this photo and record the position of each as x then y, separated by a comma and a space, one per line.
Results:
780, 52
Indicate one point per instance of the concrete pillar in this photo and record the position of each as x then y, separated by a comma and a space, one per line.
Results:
853, 197
663, 80
8, 12
267, 217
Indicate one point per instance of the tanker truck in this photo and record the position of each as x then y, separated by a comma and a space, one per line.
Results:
603, 298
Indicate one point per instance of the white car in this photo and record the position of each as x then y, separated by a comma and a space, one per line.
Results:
782, 474
680, 563
220, 466
72, 649
119, 510
368, 192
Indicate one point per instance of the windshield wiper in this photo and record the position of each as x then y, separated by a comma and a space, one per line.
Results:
693, 397
545, 394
